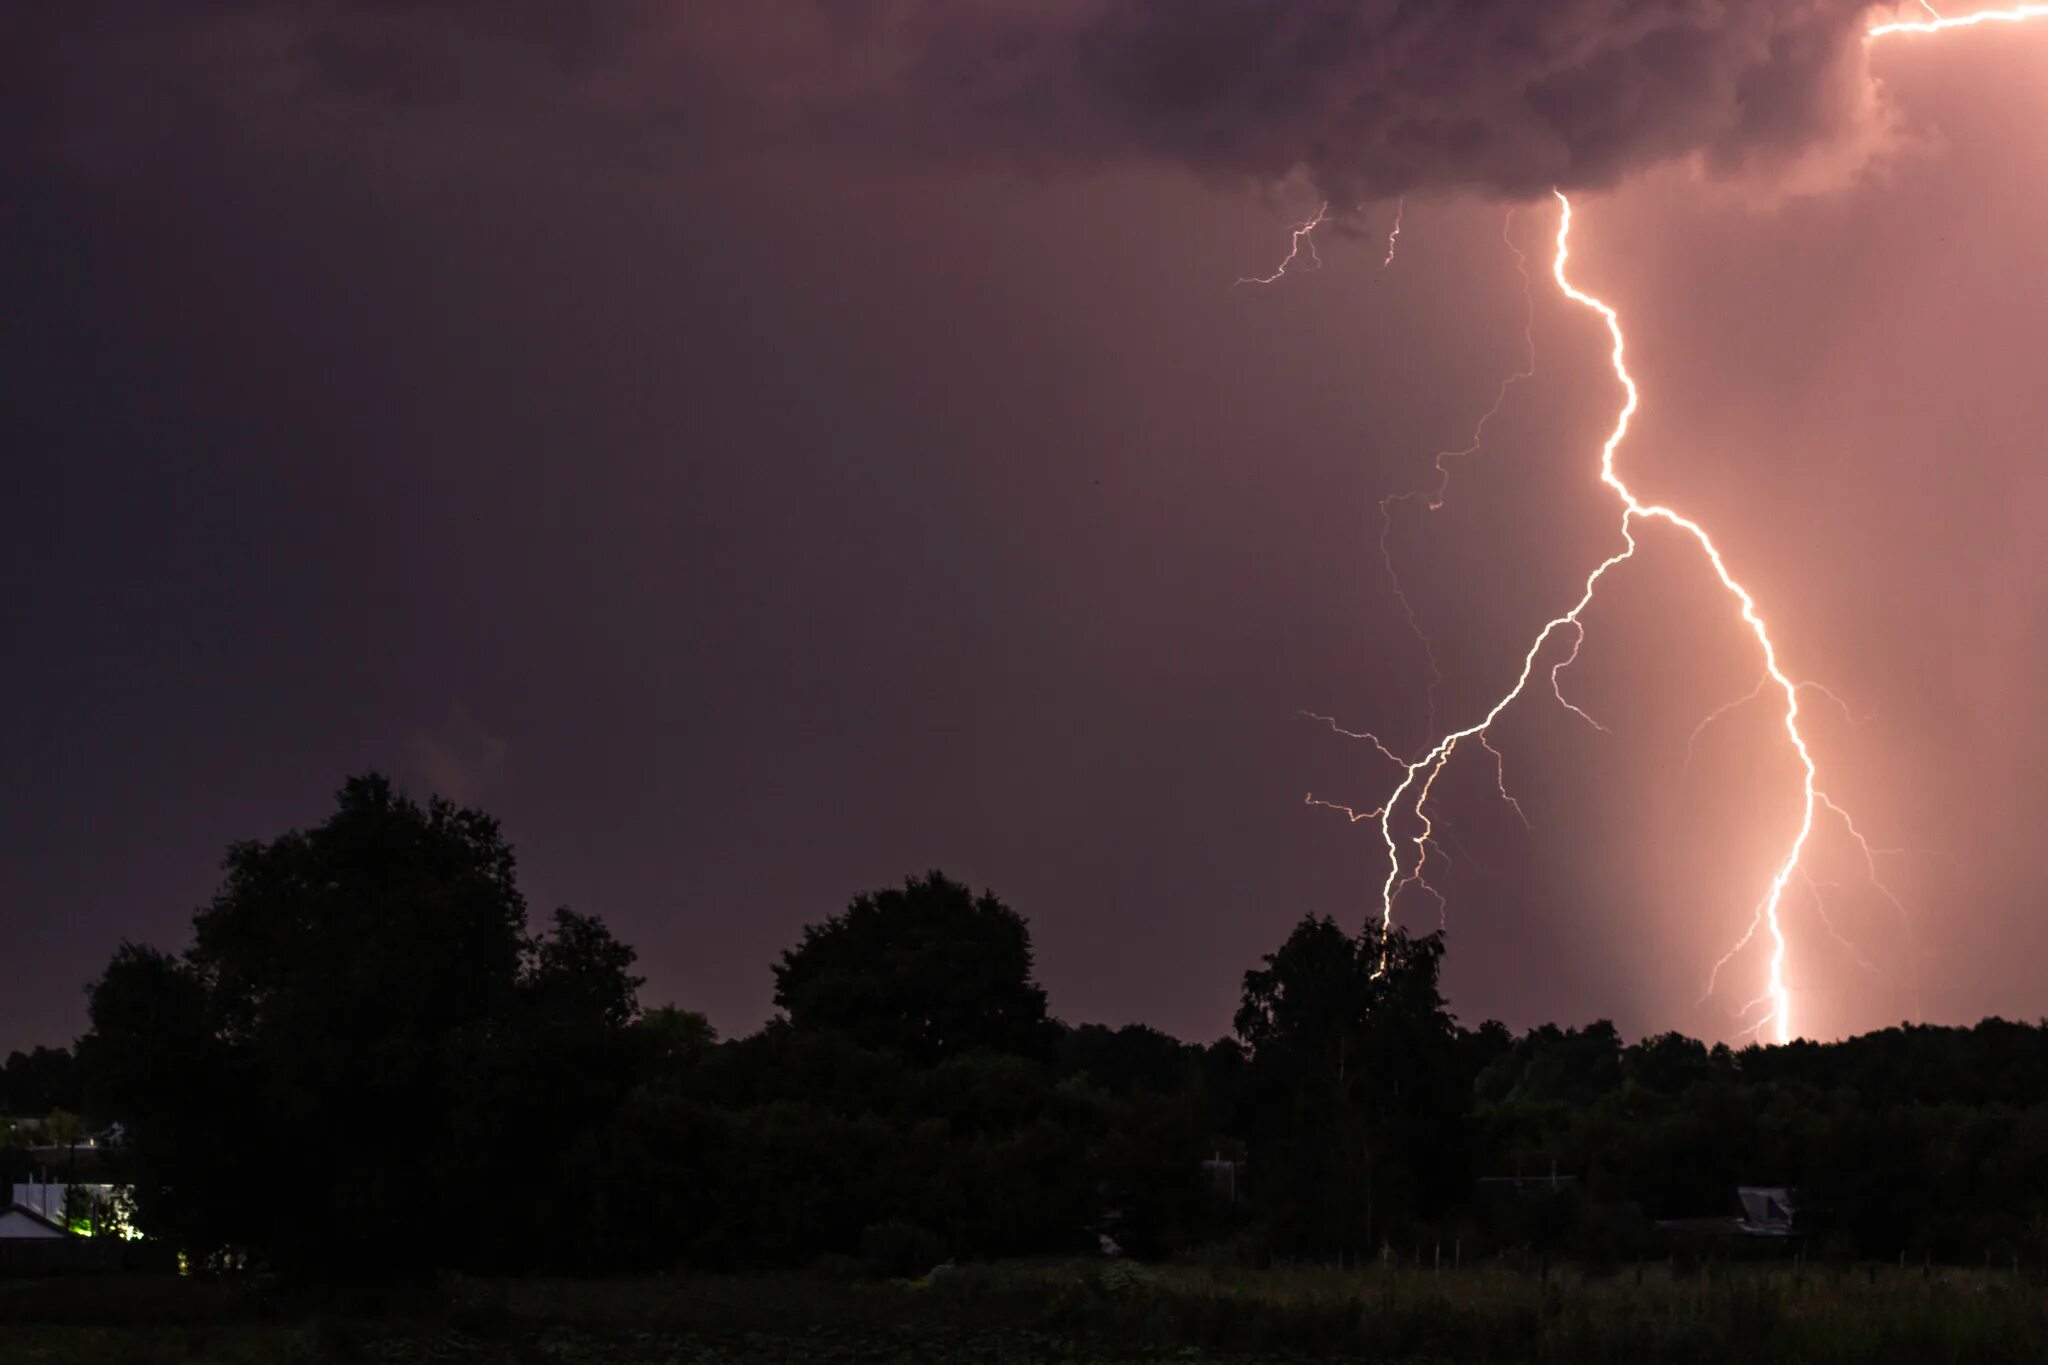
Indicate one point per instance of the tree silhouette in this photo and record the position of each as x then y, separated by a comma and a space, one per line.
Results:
930, 972
1355, 1093
363, 1052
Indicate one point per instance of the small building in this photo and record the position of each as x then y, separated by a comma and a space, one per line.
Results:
1767, 1210
31, 1244
1763, 1212
18, 1224
59, 1201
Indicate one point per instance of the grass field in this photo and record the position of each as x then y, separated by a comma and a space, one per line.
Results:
1086, 1314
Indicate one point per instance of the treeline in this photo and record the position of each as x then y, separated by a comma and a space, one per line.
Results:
369, 1063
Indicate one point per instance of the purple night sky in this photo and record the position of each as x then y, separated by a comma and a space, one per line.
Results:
763, 450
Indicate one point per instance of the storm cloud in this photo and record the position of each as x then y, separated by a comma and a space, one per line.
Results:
1366, 98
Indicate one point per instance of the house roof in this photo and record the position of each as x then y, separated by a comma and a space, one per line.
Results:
34, 1217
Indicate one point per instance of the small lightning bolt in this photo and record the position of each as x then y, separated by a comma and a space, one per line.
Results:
1870, 873
1394, 236
1500, 777
1433, 498
1365, 735
1304, 236
1353, 815
1692, 740
1820, 910
1557, 687
1526, 370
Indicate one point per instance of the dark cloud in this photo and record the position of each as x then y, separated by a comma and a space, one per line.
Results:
1371, 99
1366, 97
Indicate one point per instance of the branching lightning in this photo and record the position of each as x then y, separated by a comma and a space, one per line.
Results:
1411, 794
1407, 805
1418, 779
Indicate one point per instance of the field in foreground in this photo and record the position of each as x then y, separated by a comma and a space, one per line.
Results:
1086, 1314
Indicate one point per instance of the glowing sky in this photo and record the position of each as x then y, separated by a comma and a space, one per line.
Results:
749, 520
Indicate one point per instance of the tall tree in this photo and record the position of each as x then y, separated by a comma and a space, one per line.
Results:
1356, 1092
930, 971
360, 1002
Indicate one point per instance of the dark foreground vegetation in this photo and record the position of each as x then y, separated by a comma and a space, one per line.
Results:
1044, 1314
368, 1066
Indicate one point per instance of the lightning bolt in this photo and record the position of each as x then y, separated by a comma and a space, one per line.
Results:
1394, 236
1776, 994
1411, 794
1418, 779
